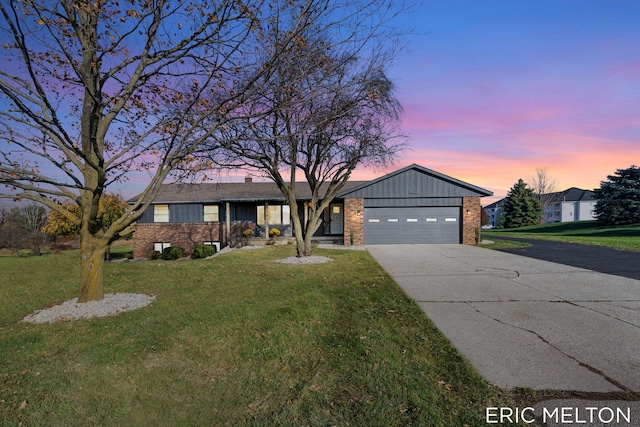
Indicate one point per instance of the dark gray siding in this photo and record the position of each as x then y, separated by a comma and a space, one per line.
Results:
244, 212
178, 212
412, 202
147, 216
187, 212
412, 184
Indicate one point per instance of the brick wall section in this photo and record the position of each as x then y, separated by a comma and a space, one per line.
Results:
470, 219
185, 235
354, 221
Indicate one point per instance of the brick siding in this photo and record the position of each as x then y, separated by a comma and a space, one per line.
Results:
354, 221
471, 217
185, 235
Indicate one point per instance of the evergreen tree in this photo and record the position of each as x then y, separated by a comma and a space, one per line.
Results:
521, 207
619, 198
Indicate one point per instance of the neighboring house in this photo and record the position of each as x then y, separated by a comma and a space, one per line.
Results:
569, 205
411, 205
494, 211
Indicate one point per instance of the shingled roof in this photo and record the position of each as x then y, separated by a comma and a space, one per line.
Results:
573, 194
232, 191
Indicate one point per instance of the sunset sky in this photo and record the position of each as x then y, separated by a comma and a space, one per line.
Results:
493, 90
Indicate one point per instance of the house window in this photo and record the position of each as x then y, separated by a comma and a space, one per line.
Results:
276, 215
161, 213
216, 244
211, 213
160, 246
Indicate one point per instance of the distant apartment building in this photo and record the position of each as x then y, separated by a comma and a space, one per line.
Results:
494, 210
573, 204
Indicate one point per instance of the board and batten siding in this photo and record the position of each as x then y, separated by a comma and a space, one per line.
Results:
178, 213
412, 202
412, 184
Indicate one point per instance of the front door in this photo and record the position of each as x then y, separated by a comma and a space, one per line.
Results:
337, 218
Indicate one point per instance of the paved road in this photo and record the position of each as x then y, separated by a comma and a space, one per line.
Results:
524, 322
597, 258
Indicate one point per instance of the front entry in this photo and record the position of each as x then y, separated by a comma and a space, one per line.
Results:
336, 218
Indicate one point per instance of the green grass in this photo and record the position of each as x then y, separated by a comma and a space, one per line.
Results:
504, 244
231, 341
585, 232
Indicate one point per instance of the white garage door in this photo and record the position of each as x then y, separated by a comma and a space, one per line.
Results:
411, 225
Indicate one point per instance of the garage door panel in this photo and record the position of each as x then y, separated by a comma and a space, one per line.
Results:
412, 225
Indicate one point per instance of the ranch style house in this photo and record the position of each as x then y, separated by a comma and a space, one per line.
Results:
411, 205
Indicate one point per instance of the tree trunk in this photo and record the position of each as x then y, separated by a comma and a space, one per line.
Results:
299, 246
93, 250
307, 244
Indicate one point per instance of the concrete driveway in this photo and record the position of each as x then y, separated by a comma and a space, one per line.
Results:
524, 322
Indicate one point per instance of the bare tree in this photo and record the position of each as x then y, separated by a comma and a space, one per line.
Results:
91, 90
34, 217
542, 182
544, 186
12, 231
328, 107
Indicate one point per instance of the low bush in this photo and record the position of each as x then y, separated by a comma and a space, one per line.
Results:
203, 251
172, 252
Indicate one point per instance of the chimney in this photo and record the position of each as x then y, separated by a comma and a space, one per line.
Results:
248, 179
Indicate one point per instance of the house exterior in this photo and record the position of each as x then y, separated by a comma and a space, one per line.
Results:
411, 205
573, 204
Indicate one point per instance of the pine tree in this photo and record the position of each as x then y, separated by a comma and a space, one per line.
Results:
619, 198
521, 207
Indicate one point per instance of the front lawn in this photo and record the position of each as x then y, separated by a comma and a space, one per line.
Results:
231, 341
585, 232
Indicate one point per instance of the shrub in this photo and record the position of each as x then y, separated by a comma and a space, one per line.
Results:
156, 255
619, 198
172, 252
203, 251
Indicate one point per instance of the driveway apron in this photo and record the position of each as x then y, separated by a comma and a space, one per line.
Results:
525, 322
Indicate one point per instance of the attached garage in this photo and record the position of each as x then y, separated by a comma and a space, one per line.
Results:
411, 225
413, 205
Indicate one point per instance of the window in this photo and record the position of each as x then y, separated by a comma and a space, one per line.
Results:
276, 215
286, 215
211, 213
216, 244
161, 213
160, 247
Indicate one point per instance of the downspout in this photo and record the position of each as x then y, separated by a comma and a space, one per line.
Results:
227, 221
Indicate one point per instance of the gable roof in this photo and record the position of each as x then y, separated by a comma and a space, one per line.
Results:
497, 204
573, 194
415, 181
